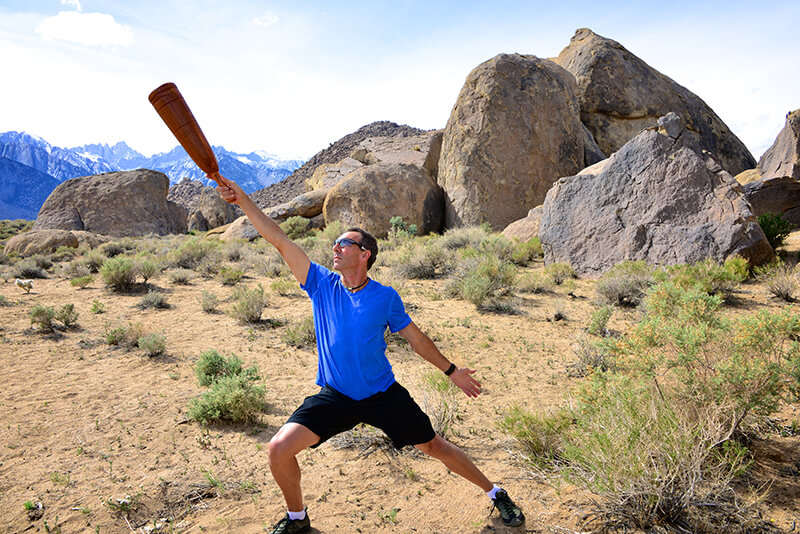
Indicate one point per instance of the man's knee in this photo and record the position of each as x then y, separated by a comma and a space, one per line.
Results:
437, 447
290, 440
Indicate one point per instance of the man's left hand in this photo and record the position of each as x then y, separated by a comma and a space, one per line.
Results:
462, 377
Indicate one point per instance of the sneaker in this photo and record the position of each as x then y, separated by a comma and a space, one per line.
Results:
510, 513
291, 526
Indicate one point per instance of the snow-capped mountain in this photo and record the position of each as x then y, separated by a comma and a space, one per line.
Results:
252, 171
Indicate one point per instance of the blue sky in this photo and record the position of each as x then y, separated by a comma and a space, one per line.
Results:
291, 77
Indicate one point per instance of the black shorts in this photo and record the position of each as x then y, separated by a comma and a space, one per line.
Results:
330, 412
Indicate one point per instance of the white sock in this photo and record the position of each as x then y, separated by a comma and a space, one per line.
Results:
297, 515
492, 492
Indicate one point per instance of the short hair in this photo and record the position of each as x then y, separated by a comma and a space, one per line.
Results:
369, 242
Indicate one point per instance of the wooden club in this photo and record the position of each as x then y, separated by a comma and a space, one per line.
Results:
174, 111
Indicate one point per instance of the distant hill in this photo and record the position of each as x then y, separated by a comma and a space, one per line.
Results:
295, 184
54, 165
23, 190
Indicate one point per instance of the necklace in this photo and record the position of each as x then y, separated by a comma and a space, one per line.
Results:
359, 286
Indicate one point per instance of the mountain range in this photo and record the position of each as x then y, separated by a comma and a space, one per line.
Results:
30, 168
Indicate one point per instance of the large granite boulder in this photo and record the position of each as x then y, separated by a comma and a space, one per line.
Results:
527, 227
422, 150
373, 194
658, 199
620, 95
126, 203
40, 242
328, 175
205, 207
774, 185
514, 130
783, 157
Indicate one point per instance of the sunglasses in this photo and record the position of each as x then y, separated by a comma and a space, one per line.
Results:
346, 242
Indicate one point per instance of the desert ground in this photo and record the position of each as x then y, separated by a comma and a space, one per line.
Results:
99, 435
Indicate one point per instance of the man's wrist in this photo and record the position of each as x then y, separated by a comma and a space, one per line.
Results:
450, 369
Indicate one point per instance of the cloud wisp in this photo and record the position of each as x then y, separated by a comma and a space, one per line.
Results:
90, 29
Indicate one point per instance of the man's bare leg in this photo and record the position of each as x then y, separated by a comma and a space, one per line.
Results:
455, 460
284, 446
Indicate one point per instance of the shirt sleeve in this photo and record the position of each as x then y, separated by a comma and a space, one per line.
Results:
398, 318
312, 280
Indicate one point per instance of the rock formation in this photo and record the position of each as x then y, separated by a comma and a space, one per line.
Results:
40, 242
620, 95
514, 130
373, 194
126, 203
774, 185
658, 199
204, 205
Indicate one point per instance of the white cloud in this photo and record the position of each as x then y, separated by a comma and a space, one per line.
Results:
92, 29
74, 3
267, 19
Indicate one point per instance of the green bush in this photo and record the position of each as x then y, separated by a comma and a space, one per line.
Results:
300, 333
708, 276
285, 288
296, 227
118, 273
28, 268
481, 280
97, 307
152, 344
112, 249
422, 260
147, 269
43, 317
625, 284
208, 301
82, 281
4, 301
233, 395
400, 228
525, 252
180, 276
600, 317
212, 366
655, 434
67, 315
193, 252
776, 228
231, 398
559, 272
463, 237
248, 304
230, 276
153, 299
123, 335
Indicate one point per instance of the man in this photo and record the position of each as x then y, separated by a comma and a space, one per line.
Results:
351, 314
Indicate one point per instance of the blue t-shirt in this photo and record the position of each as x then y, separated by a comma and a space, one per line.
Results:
350, 329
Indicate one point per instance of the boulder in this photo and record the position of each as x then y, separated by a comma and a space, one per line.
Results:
780, 195
306, 205
620, 95
205, 207
783, 157
241, 228
373, 194
40, 242
328, 175
421, 150
126, 203
527, 228
659, 199
514, 130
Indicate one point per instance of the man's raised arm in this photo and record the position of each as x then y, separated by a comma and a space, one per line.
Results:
294, 256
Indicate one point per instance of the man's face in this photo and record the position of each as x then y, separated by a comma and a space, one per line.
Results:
347, 255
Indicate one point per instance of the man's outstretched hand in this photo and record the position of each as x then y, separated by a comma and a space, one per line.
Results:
230, 191
462, 377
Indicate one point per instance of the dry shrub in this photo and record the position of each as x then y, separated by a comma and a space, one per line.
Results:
625, 284
248, 304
